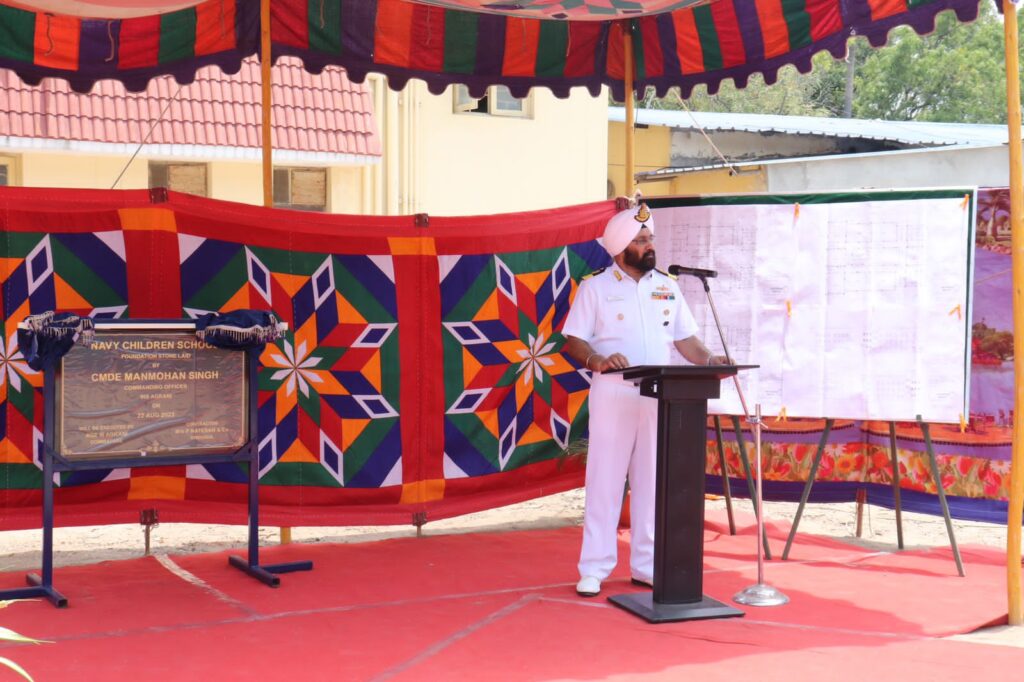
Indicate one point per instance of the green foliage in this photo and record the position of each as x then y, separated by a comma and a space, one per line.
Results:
576, 449
7, 635
793, 94
15, 667
993, 341
955, 74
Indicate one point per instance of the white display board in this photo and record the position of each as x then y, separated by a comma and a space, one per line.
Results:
855, 305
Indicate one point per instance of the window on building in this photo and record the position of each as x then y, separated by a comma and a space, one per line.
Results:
190, 178
304, 189
497, 101
6, 171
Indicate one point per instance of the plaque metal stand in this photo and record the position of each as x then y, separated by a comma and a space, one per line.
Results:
41, 584
682, 392
251, 564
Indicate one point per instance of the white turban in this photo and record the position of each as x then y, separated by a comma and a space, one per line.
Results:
623, 228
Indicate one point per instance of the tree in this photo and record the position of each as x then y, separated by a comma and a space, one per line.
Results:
955, 74
795, 94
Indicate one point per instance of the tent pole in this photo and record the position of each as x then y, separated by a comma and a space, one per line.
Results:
265, 62
627, 41
1016, 504
266, 83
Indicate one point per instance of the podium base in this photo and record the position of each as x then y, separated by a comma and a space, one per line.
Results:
642, 604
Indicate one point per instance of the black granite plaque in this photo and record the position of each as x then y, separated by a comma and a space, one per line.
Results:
151, 392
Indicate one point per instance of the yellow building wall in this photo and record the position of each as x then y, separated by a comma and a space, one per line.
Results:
70, 170
347, 193
720, 182
652, 148
239, 181
235, 181
468, 163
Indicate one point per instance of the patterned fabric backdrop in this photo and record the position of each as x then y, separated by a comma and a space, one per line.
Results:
421, 376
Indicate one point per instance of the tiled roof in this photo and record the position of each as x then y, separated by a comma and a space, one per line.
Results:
325, 113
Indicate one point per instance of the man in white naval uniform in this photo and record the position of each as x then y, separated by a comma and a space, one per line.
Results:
623, 315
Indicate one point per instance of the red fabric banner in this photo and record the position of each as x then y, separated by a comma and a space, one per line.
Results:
400, 380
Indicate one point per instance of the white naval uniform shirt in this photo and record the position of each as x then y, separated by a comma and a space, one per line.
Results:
641, 320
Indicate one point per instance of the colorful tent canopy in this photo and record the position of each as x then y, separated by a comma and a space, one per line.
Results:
703, 44
108, 9
576, 10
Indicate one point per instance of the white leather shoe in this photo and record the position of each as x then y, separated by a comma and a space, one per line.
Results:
588, 586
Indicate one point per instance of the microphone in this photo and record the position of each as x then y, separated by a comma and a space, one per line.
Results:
696, 272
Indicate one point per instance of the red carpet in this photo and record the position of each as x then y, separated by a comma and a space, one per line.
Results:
501, 606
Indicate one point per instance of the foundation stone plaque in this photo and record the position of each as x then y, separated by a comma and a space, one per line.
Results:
150, 392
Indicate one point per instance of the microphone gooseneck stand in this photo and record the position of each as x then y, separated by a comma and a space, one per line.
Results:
759, 594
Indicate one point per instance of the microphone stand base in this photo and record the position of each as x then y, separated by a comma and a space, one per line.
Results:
760, 595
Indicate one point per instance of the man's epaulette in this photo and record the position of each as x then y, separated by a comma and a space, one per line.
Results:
666, 274
595, 272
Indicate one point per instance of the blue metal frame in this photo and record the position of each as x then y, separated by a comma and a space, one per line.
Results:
41, 584
251, 564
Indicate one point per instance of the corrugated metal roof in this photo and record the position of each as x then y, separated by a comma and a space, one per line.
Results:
325, 115
904, 132
663, 173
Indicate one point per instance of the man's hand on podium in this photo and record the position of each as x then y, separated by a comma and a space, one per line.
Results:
696, 352
602, 363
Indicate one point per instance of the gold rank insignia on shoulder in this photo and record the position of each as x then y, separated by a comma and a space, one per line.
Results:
618, 275
669, 275
594, 273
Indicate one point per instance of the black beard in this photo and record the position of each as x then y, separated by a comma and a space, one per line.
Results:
644, 263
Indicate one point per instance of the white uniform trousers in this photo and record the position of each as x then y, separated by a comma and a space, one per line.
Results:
623, 440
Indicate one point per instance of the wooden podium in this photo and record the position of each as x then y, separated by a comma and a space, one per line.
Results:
682, 392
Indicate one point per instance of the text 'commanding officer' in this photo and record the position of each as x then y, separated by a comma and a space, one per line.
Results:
626, 314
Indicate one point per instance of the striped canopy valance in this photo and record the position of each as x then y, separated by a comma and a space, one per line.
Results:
703, 44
